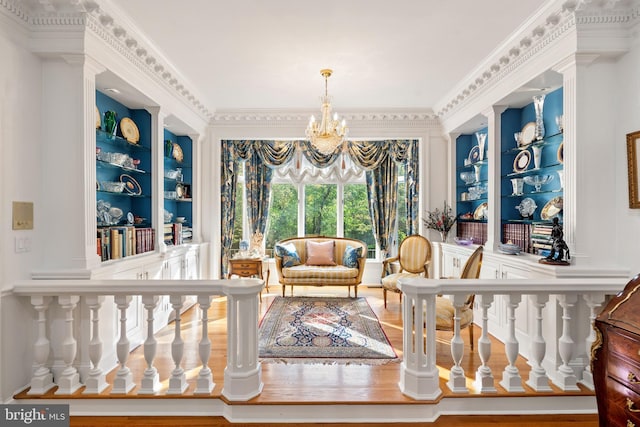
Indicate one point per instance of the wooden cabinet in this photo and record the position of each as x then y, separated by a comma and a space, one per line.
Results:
615, 358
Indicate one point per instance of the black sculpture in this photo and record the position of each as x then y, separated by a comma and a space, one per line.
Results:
558, 246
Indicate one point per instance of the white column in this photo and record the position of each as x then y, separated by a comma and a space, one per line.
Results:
42, 380
150, 383
511, 380
419, 376
243, 373
123, 382
538, 379
204, 383
594, 302
178, 381
484, 377
566, 378
69, 380
196, 193
457, 380
96, 381
157, 182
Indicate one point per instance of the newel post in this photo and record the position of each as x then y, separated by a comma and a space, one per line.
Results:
243, 373
419, 376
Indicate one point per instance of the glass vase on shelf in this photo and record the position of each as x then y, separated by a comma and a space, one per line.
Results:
443, 236
110, 122
538, 103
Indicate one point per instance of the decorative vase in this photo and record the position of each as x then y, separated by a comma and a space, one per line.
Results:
538, 103
443, 235
168, 148
537, 155
517, 184
110, 122
482, 139
560, 177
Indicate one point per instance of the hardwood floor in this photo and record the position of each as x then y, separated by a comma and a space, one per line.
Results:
323, 384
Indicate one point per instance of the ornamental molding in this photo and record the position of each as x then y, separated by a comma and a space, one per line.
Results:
538, 34
371, 119
108, 24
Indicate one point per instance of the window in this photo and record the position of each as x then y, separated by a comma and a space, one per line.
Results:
356, 217
283, 214
320, 210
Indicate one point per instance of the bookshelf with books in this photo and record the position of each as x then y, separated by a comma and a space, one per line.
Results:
178, 191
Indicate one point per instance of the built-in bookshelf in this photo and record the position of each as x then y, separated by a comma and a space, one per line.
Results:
472, 186
178, 191
124, 170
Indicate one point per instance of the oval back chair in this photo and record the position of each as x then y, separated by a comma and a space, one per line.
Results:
414, 258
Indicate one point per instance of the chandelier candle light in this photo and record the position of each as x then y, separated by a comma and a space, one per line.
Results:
330, 133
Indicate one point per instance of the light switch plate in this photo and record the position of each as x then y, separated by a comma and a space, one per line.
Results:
23, 215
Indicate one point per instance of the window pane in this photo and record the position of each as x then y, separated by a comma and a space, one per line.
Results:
283, 214
357, 221
320, 210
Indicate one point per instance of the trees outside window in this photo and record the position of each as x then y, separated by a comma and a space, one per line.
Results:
283, 214
320, 210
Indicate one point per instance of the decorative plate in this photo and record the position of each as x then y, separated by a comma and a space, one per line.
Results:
521, 162
180, 191
98, 121
552, 208
481, 211
130, 218
129, 130
527, 207
474, 154
177, 153
131, 186
528, 134
561, 152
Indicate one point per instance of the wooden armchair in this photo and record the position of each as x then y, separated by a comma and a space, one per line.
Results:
414, 257
445, 311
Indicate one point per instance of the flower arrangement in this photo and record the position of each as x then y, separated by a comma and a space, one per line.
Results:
440, 220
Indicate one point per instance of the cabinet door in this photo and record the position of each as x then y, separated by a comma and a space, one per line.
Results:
173, 268
450, 265
192, 266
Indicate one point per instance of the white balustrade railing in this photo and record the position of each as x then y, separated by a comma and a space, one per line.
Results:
242, 374
577, 301
419, 375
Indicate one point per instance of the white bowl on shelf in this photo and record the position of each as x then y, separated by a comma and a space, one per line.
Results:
181, 219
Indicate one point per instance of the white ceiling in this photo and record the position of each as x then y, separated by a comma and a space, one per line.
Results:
267, 54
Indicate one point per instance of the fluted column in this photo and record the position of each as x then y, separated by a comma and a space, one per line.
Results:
204, 383
566, 378
42, 379
457, 380
151, 379
123, 382
594, 302
69, 380
511, 380
538, 379
96, 381
178, 380
484, 377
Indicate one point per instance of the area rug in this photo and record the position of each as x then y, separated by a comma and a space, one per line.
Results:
324, 330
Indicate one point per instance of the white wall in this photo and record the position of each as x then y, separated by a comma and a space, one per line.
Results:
627, 239
20, 139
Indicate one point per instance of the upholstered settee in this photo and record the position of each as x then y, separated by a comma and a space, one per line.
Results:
320, 261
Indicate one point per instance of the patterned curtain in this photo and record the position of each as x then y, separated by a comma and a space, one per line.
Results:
413, 189
316, 158
382, 191
258, 182
229, 172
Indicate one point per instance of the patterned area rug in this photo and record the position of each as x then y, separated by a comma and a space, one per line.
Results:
325, 330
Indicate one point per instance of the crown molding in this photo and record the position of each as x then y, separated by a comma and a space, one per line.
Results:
112, 27
549, 25
355, 119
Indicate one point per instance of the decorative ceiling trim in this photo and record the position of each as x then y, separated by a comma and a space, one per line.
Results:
558, 21
407, 119
47, 15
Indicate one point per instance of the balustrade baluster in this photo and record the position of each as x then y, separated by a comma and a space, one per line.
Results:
484, 377
150, 383
178, 380
457, 380
538, 379
566, 378
123, 382
69, 380
96, 381
204, 384
42, 380
511, 379
594, 302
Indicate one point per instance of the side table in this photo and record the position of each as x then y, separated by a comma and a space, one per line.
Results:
249, 267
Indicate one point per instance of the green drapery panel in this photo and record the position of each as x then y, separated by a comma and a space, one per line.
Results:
229, 179
382, 191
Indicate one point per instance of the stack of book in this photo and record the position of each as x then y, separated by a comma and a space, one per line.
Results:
123, 241
541, 237
477, 231
518, 234
187, 234
173, 234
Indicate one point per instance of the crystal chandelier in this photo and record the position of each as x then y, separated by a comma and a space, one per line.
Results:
330, 133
